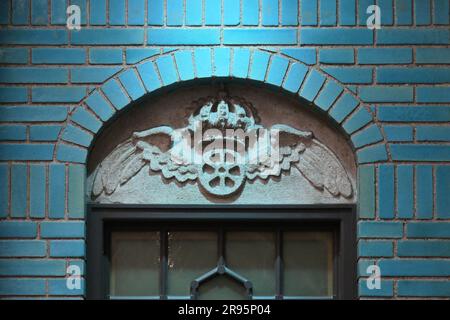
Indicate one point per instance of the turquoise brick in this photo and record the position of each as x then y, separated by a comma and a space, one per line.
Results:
341, 56
384, 55
412, 36
97, 13
343, 107
136, 12
19, 190
398, 133
38, 178
38, 152
222, 62
34, 75
380, 229
167, 70
312, 85
13, 55
213, 10
424, 191
18, 229
386, 11
175, 12
132, 84
115, 94
432, 133
83, 9
134, 55
414, 114
372, 154
306, 55
441, 12
366, 191
5, 8
325, 36
423, 248
155, 12
347, 12
386, 200
415, 268
62, 230
386, 289
23, 248
428, 230
233, 36
363, 265
86, 120
149, 77
350, 74
76, 192
203, 62
13, 133
259, 65
20, 12
442, 190
4, 191
295, 77
194, 12
231, 12
58, 12
370, 248
92, 74
20, 286
405, 191
433, 55
117, 12
98, 104
386, 94
250, 12
67, 248
433, 94
422, 12
33, 36
403, 12
58, 287
367, 136
413, 75
32, 267
76, 135
331, 90
357, 120
241, 62
67, 153
183, 36
420, 152
113, 36
56, 191
289, 13
309, 12
328, 12
58, 56
105, 56
58, 94
363, 5
269, 12
423, 288
277, 70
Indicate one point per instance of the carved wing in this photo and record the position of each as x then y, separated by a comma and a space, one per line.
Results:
315, 161
129, 157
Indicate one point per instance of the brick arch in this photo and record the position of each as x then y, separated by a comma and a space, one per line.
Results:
290, 75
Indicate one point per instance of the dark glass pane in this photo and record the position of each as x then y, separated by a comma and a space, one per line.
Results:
191, 254
134, 264
308, 263
252, 255
222, 288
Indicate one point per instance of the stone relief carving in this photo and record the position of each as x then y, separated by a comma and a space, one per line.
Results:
223, 146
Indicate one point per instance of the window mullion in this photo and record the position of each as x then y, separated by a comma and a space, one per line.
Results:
279, 264
163, 264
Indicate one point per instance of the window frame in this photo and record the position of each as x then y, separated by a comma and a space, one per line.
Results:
100, 216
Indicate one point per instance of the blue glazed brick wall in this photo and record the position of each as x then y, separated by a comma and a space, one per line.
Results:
388, 89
